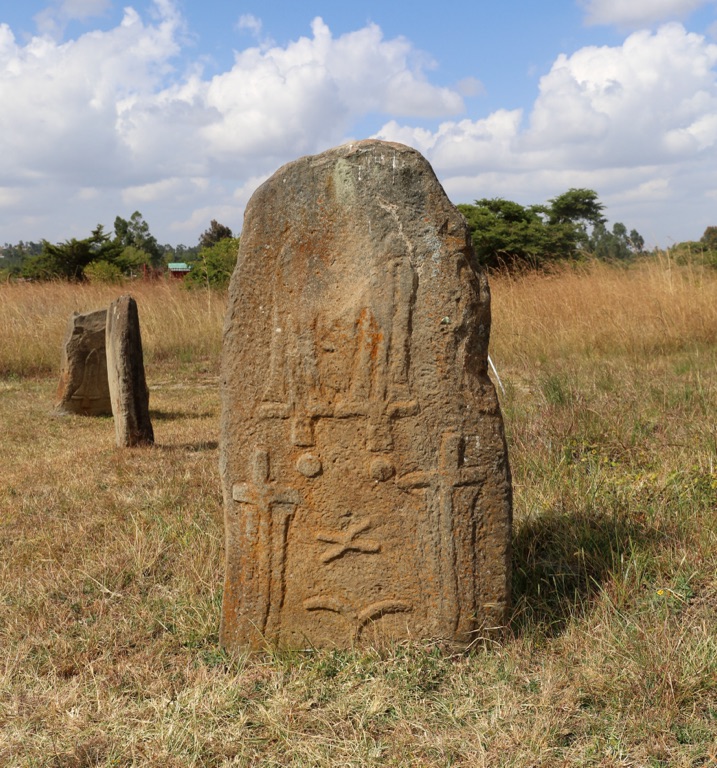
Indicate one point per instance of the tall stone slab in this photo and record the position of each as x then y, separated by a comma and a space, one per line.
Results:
125, 368
366, 483
83, 386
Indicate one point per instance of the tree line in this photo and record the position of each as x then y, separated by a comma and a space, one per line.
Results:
130, 251
568, 227
505, 235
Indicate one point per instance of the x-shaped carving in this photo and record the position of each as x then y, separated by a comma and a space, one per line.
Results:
345, 541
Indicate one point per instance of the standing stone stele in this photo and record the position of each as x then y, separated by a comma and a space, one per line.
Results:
83, 386
125, 369
365, 476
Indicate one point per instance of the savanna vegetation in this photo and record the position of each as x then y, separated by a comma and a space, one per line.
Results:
568, 227
506, 235
111, 560
131, 251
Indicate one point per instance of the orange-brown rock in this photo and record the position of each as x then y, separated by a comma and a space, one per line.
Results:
83, 386
365, 477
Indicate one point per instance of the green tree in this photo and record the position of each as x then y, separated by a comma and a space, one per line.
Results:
637, 241
615, 245
568, 226
506, 234
131, 259
103, 272
576, 206
503, 232
214, 234
709, 238
134, 233
214, 265
68, 260
13, 257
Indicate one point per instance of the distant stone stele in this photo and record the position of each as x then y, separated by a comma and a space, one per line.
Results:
363, 461
125, 367
83, 387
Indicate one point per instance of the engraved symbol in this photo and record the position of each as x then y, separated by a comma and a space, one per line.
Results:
308, 465
377, 386
360, 619
293, 372
275, 506
345, 541
452, 473
94, 385
381, 469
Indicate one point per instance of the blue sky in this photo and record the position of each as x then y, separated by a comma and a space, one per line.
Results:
180, 108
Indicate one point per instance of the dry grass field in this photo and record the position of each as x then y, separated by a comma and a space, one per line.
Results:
111, 560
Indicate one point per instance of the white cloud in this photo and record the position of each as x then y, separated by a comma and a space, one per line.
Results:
83, 9
110, 111
251, 23
621, 105
470, 86
87, 193
634, 120
53, 19
148, 193
280, 102
61, 101
638, 13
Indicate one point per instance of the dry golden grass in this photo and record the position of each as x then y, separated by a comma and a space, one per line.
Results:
599, 311
111, 560
176, 323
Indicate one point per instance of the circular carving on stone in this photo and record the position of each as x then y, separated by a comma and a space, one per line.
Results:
381, 469
308, 465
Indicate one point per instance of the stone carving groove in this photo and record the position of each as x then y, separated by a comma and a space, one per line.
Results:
274, 506
440, 484
378, 388
348, 540
359, 619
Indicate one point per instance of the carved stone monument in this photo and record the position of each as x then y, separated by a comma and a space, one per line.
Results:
364, 468
83, 386
125, 368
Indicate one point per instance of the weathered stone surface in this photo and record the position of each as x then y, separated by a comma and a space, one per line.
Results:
83, 386
125, 369
364, 469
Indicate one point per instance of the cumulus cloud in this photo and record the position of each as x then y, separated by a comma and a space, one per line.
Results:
61, 102
112, 105
277, 103
628, 101
618, 119
638, 13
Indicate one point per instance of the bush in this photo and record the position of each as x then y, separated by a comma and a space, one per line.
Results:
103, 272
214, 265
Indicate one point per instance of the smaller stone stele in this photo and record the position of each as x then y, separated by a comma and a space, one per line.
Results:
125, 368
84, 388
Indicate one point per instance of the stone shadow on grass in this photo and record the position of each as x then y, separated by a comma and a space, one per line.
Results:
560, 562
